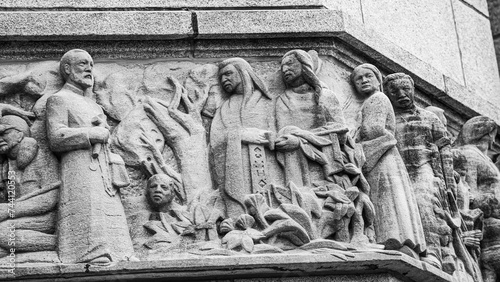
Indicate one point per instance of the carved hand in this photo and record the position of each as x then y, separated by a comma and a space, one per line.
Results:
254, 136
472, 238
98, 134
287, 142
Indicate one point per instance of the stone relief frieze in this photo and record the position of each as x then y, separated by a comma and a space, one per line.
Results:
129, 161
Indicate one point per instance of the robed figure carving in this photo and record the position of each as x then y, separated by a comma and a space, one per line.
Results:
240, 135
311, 127
397, 222
92, 226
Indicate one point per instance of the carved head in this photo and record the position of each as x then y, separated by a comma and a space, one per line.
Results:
367, 79
297, 68
161, 191
13, 129
76, 68
236, 76
479, 131
400, 89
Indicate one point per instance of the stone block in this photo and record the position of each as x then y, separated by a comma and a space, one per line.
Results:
365, 266
271, 23
159, 4
478, 53
424, 28
480, 6
467, 102
391, 57
95, 25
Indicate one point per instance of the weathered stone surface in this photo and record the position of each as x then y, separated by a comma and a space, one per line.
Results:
109, 25
478, 53
249, 24
468, 101
159, 4
480, 6
220, 267
401, 22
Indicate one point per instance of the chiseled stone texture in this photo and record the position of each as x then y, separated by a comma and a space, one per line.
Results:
171, 4
295, 267
478, 57
424, 28
340, 278
261, 23
480, 5
174, 24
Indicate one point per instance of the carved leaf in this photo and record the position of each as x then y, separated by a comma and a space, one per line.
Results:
233, 239
226, 226
322, 243
245, 222
254, 234
256, 205
283, 195
285, 226
201, 214
247, 243
300, 216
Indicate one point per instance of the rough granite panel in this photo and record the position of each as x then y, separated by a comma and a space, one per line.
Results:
478, 53
250, 24
424, 28
105, 25
479, 5
458, 96
351, 7
171, 4
393, 57
340, 278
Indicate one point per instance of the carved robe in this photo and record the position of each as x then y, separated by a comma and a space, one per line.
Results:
92, 223
317, 121
233, 173
418, 132
397, 221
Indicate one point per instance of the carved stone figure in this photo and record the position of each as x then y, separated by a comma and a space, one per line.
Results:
168, 218
483, 178
240, 135
308, 117
314, 150
91, 223
33, 212
397, 221
423, 144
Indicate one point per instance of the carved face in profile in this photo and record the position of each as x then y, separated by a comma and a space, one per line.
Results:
161, 190
291, 69
9, 138
401, 93
230, 78
366, 81
79, 69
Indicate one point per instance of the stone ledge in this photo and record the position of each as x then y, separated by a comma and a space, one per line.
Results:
232, 267
158, 4
95, 25
259, 24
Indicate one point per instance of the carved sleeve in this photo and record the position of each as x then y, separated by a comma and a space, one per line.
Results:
63, 138
374, 114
